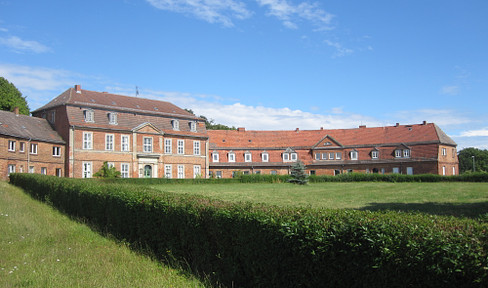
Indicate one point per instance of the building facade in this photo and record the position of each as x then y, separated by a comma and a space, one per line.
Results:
139, 137
29, 144
406, 149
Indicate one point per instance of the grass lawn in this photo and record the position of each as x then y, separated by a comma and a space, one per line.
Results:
39, 247
457, 199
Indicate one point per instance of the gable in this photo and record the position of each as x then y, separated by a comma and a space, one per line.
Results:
328, 142
147, 128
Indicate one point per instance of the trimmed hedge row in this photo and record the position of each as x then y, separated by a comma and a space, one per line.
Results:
249, 245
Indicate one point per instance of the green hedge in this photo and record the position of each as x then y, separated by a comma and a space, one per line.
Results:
249, 245
360, 177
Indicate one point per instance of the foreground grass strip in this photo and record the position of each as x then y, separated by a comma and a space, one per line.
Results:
39, 247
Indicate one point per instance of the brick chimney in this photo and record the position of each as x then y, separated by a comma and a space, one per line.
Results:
362, 126
297, 129
78, 89
16, 110
241, 129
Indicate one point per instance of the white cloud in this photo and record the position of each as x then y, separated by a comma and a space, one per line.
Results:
450, 90
475, 133
36, 78
212, 11
289, 13
340, 51
19, 45
440, 117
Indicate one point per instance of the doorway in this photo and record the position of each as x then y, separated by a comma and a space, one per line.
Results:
147, 171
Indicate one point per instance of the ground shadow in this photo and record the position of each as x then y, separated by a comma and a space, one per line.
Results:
469, 210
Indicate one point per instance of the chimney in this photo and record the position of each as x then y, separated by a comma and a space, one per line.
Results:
424, 122
78, 89
16, 110
321, 128
397, 124
362, 126
241, 129
297, 129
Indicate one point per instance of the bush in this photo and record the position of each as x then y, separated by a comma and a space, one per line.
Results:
250, 245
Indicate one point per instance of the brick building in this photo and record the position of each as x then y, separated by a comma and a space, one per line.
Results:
29, 144
407, 149
139, 137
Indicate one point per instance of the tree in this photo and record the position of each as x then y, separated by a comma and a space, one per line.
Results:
466, 160
210, 123
298, 174
107, 172
10, 97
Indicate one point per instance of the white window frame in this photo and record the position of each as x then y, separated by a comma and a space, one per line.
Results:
180, 147
59, 172
87, 169
89, 115
21, 146
395, 170
193, 126
44, 170
444, 151
147, 144
168, 171
33, 148
87, 140
375, 154
354, 155
196, 147
409, 170
265, 157
124, 170
324, 156
406, 153
32, 169
11, 146
247, 157
331, 156
293, 156
181, 171
398, 153
168, 143
197, 171
443, 170
56, 151
286, 157
11, 169
215, 156
338, 156
175, 124
112, 118
124, 143
232, 157
453, 170
109, 142
317, 156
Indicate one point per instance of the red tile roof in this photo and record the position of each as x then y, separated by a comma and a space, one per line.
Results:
418, 133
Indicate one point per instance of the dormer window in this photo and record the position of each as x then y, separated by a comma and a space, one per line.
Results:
175, 124
89, 115
232, 157
265, 157
398, 153
375, 154
353, 155
215, 156
193, 126
112, 118
248, 157
293, 156
406, 153
289, 155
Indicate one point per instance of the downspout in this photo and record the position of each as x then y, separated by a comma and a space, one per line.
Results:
28, 153
72, 147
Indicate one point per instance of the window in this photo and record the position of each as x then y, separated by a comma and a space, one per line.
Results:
406, 153
444, 151
293, 156
218, 174
215, 157
33, 148
31, 169
374, 154
110, 164
409, 170
196, 147
124, 170
11, 169
53, 117
175, 124
232, 157
181, 171
147, 146
196, 171
247, 157
181, 146
87, 170
286, 157
87, 140
167, 146
265, 157
56, 151
454, 155
124, 143
453, 170
11, 146
338, 155
193, 126
443, 170
43, 170
59, 172
168, 171
331, 156
354, 155
317, 156
22, 147
89, 115
274, 172
109, 142
112, 118
312, 172
324, 156
396, 170
398, 153
21, 169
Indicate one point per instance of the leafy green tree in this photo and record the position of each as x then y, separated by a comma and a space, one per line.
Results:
466, 160
298, 174
10, 97
107, 172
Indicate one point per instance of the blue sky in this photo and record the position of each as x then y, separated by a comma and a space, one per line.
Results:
263, 64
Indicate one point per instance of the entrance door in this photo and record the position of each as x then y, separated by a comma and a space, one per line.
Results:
147, 171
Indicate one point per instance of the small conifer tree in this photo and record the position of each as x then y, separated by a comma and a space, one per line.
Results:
107, 172
298, 174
